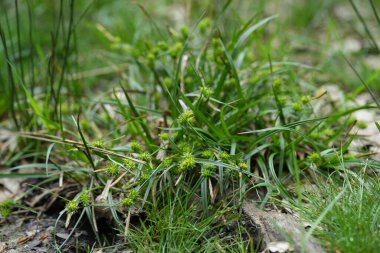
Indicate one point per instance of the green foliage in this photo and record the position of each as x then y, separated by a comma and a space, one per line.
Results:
353, 218
151, 111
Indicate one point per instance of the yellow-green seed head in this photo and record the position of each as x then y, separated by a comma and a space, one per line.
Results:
162, 45
98, 144
188, 162
112, 170
186, 117
164, 136
243, 165
168, 82
167, 162
71, 206
224, 156
277, 84
129, 164
328, 132
305, 99
85, 198
362, 125
184, 30
175, 50
204, 25
315, 157
127, 202
145, 156
206, 173
207, 154
206, 91
133, 194
297, 106
135, 146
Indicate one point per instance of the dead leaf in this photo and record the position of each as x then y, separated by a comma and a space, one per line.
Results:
62, 235
30, 235
43, 237
23, 240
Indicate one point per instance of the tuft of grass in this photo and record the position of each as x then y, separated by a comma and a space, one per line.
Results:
350, 223
173, 124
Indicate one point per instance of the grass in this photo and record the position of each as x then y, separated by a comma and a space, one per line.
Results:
177, 124
351, 224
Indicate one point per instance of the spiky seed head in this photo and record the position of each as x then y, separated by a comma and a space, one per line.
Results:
85, 198
206, 91
127, 202
145, 156
112, 170
305, 99
224, 156
129, 164
186, 117
207, 154
204, 25
297, 106
164, 136
167, 162
71, 206
135, 146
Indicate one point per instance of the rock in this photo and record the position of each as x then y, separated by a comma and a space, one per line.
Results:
276, 229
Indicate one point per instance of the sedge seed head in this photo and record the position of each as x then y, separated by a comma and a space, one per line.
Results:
328, 132
184, 30
112, 170
5, 212
224, 156
206, 173
305, 99
5, 208
162, 45
85, 198
215, 42
361, 125
297, 106
315, 157
188, 162
133, 194
129, 164
71, 206
98, 144
204, 25
175, 50
206, 91
164, 136
135, 146
207, 154
145, 156
168, 82
127, 202
186, 117
209, 166
144, 176
243, 165
277, 84
167, 162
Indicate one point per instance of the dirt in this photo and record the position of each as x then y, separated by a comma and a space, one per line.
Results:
19, 234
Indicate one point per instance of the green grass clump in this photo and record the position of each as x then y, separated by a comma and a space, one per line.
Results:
177, 227
168, 123
351, 222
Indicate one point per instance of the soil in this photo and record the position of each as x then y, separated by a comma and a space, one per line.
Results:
20, 234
